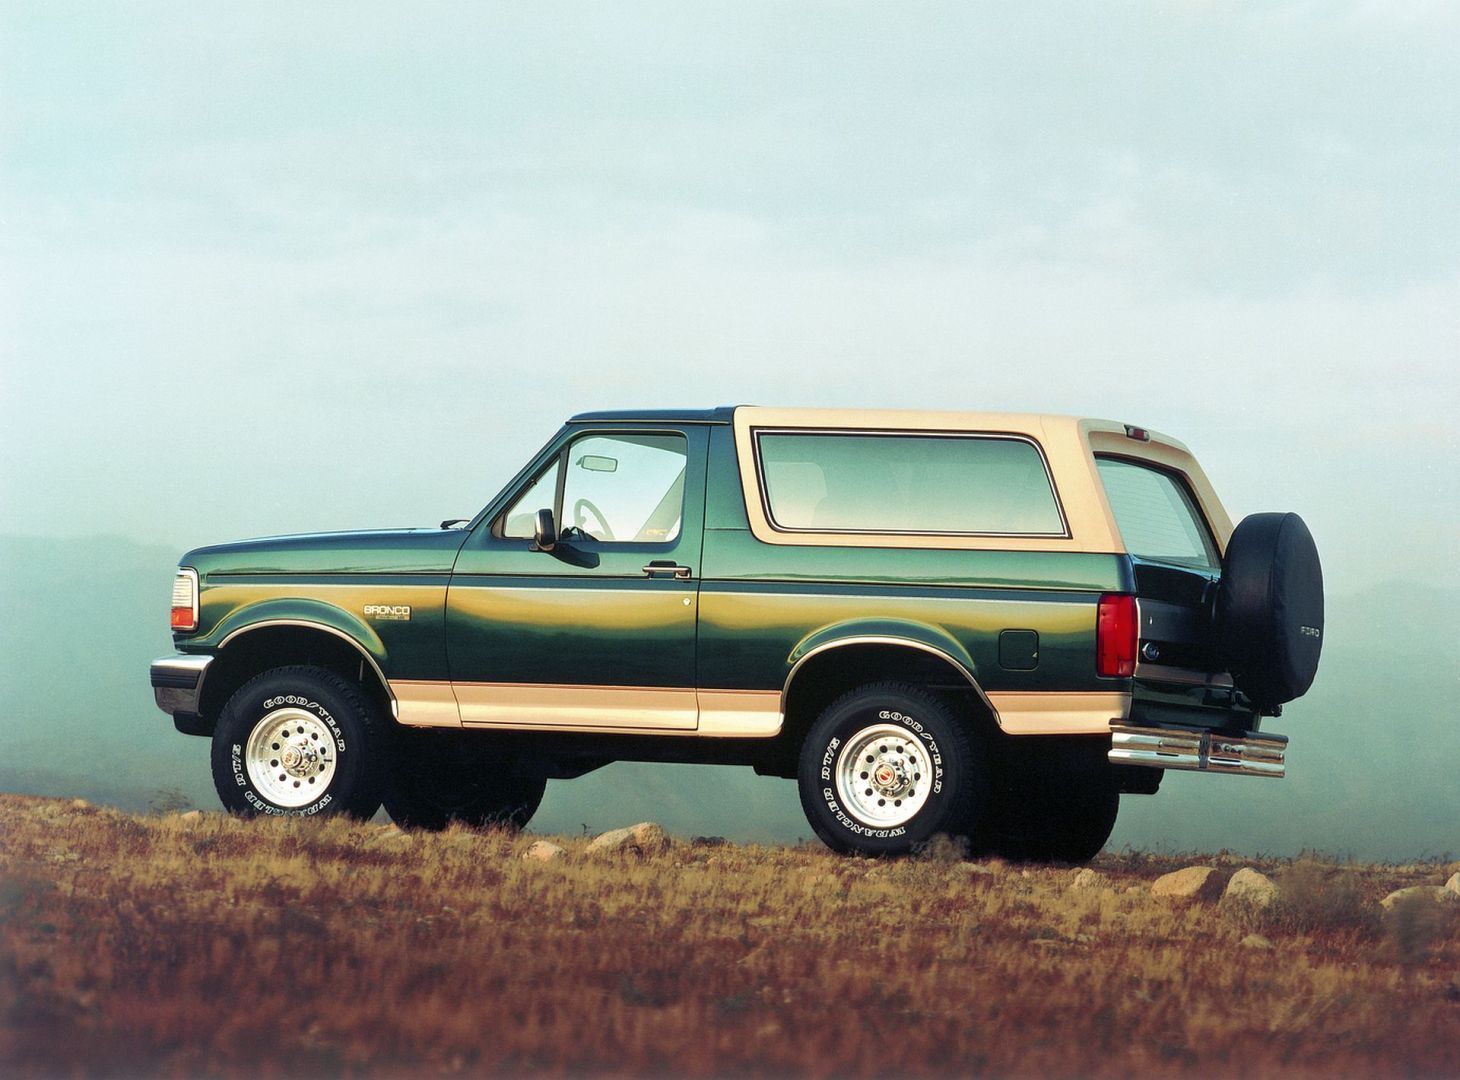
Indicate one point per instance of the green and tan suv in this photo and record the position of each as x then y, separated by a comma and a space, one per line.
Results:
982, 625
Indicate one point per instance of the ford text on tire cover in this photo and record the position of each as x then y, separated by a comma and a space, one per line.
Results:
988, 626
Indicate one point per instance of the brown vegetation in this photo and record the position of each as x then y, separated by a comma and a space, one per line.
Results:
195, 946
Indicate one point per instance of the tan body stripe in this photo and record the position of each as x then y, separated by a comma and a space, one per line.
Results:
647, 708
684, 711
1060, 713
425, 704
622, 709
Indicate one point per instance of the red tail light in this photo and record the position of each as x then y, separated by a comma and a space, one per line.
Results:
1116, 630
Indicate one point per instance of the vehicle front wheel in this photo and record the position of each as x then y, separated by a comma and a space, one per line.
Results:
298, 741
437, 777
886, 768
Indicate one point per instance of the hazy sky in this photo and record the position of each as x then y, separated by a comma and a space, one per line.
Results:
280, 268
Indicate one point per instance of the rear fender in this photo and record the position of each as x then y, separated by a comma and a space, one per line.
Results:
895, 632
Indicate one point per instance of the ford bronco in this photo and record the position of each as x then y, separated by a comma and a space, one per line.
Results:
982, 625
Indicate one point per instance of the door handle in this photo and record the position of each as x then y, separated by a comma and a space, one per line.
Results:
667, 566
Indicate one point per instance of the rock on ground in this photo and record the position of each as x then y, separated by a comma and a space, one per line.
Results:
1437, 894
1085, 878
1256, 941
1191, 883
645, 838
1453, 885
543, 851
391, 834
973, 869
1248, 886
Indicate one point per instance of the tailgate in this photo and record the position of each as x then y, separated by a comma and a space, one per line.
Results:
1175, 555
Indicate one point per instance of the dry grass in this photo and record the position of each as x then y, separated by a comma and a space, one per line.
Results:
165, 947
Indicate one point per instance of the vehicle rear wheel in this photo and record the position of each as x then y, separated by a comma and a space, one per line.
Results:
886, 768
438, 777
1050, 822
298, 741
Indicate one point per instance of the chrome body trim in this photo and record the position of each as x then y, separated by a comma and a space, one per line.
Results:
306, 624
177, 682
1198, 751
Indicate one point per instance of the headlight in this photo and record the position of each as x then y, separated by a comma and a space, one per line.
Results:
185, 599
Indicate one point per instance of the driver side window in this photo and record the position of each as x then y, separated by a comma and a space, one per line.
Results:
616, 489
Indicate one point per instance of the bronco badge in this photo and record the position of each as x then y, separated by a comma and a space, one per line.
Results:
396, 612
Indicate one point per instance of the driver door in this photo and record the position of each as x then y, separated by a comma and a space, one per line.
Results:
599, 633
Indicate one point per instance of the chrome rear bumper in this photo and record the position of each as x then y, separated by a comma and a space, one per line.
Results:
1203, 751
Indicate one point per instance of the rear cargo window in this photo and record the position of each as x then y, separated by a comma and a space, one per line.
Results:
1157, 516
972, 485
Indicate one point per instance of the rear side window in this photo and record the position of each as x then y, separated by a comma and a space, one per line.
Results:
895, 483
1157, 516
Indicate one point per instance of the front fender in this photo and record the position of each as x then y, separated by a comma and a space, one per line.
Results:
297, 611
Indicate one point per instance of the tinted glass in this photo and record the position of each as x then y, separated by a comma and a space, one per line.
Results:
625, 488
907, 484
1156, 514
523, 513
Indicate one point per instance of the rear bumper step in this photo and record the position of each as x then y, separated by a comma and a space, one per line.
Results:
1201, 751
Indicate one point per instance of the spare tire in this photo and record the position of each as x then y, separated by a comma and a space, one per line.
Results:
1269, 608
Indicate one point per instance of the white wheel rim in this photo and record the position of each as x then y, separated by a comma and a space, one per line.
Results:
883, 776
291, 757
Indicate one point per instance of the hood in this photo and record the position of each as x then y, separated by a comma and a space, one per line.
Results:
397, 551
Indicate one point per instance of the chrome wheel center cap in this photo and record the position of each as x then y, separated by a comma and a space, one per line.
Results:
298, 759
890, 778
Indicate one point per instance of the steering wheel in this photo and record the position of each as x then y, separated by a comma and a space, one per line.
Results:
581, 509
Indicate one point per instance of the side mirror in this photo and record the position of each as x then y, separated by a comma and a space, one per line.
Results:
544, 531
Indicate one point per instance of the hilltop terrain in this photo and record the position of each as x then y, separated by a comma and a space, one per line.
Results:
197, 944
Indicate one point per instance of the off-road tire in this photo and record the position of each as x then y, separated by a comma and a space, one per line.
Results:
1049, 821
922, 730
438, 777
291, 730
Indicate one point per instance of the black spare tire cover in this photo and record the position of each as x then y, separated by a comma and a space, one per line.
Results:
1269, 609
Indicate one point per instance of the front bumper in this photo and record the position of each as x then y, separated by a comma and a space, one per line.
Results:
1203, 751
177, 683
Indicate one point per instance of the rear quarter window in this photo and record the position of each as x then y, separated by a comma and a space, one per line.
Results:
1157, 517
878, 482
